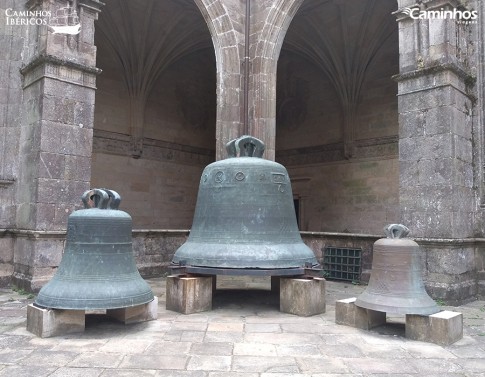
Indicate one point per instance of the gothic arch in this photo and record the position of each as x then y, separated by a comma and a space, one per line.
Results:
144, 52
223, 25
336, 108
155, 107
276, 20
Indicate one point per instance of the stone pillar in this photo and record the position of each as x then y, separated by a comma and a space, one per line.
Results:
435, 104
479, 151
59, 77
225, 19
12, 44
268, 22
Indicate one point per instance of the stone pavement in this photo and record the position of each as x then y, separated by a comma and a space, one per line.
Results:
244, 335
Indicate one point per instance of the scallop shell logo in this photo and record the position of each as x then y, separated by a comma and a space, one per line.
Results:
65, 21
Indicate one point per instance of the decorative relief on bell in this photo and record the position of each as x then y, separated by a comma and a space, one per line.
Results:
219, 177
239, 176
278, 178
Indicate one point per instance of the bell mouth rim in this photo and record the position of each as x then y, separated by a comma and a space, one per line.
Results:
241, 271
399, 310
92, 303
238, 264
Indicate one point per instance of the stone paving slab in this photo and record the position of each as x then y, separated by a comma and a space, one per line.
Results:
245, 335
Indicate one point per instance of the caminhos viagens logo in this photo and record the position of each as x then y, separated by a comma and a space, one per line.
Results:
461, 16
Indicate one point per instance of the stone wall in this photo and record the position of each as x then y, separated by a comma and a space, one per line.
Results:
12, 44
439, 132
58, 77
453, 270
154, 161
157, 194
318, 241
337, 121
350, 197
180, 115
441, 260
154, 250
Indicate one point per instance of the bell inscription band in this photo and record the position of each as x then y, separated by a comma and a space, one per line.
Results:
244, 217
395, 284
97, 270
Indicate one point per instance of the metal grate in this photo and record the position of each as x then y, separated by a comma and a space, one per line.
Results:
342, 263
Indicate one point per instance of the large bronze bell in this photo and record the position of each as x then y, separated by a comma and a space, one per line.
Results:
395, 284
244, 217
97, 270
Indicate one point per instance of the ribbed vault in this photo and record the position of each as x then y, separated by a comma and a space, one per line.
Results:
146, 37
342, 38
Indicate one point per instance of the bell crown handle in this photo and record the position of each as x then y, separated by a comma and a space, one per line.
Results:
95, 198
245, 146
101, 198
396, 231
114, 198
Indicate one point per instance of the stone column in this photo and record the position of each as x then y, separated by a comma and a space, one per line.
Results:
59, 77
225, 19
269, 23
12, 41
436, 102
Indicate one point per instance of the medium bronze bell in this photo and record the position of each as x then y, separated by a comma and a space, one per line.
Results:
97, 270
244, 217
395, 284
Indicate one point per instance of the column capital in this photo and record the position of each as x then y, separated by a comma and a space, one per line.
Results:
44, 65
457, 69
93, 5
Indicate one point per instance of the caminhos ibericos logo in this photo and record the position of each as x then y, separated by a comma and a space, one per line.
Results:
64, 21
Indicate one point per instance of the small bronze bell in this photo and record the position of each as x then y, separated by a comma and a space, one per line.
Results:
244, 217
395, 284
97, 270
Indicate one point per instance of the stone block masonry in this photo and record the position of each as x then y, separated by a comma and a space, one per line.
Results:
443, 328
46, 323
56, 140
189, 294
302, 296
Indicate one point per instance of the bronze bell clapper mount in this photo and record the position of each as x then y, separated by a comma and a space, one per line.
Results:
245, 221
98, 269
97, 272
396, 285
